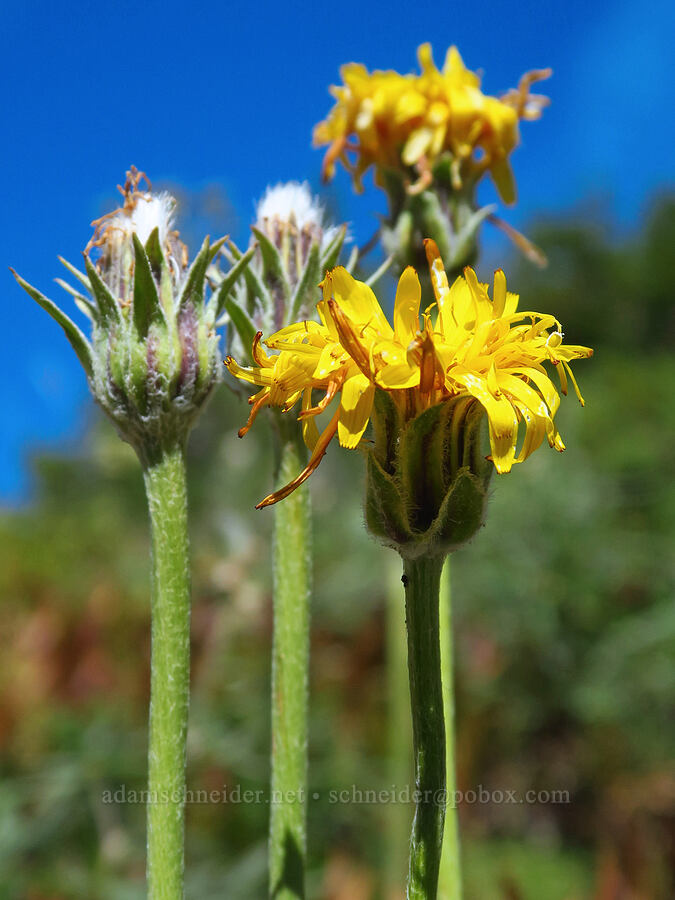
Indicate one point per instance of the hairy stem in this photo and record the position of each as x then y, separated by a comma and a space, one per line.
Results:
422, 581
165, 487
399, 737
450, 881
290, 662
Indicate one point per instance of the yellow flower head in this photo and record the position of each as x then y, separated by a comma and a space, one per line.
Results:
404, 122
465, 345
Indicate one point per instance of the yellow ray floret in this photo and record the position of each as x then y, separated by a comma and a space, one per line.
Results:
394, 121
468, 344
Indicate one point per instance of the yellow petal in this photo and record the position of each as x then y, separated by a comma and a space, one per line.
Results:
310, 433
416, 145
535, 431
356, 405
456, 72
328, 362
425, 57
503, 178
398, 376
524, 393
358, 301
502, 419
407, 306
253, 376
499, 294
446, 297
545, 386
574, 382
457, 310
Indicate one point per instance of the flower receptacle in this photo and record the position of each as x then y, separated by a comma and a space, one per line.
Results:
427, 478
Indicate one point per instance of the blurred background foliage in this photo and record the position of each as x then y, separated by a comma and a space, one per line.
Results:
564, 625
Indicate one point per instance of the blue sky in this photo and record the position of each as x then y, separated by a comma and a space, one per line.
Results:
199, 93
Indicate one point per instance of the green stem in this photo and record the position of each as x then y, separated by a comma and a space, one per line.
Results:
422, 582
292, 562
450, 880
397, 822
170, 671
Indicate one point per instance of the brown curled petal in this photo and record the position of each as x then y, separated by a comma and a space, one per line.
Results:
258, 354
331, 157
314, 460
349, 338
259, 404
424, 180
331, 391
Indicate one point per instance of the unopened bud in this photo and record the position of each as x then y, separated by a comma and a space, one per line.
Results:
153, 358
291, 250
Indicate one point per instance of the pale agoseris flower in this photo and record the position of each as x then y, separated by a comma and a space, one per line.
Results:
466, 345
409, 122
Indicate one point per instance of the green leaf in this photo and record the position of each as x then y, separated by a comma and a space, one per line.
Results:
242, 323
230, 279
379, 272
476, 444
387, 426
78, 341
155, 254
464, 247
108, 306
83, 303
433, 222
420, 462
273, 264
461, 514
215, 248
81, 277
352, 259
399, 239
255, 286
193, 292
331, 252
146, 304
454, 419
309, 280
385, 510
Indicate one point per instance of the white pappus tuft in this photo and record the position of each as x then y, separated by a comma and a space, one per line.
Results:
290, 200
141, 213
149, 211
293, 202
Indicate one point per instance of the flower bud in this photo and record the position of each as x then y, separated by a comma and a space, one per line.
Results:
153, 357
291, 249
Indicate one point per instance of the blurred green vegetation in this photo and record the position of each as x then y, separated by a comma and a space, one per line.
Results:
565, 635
